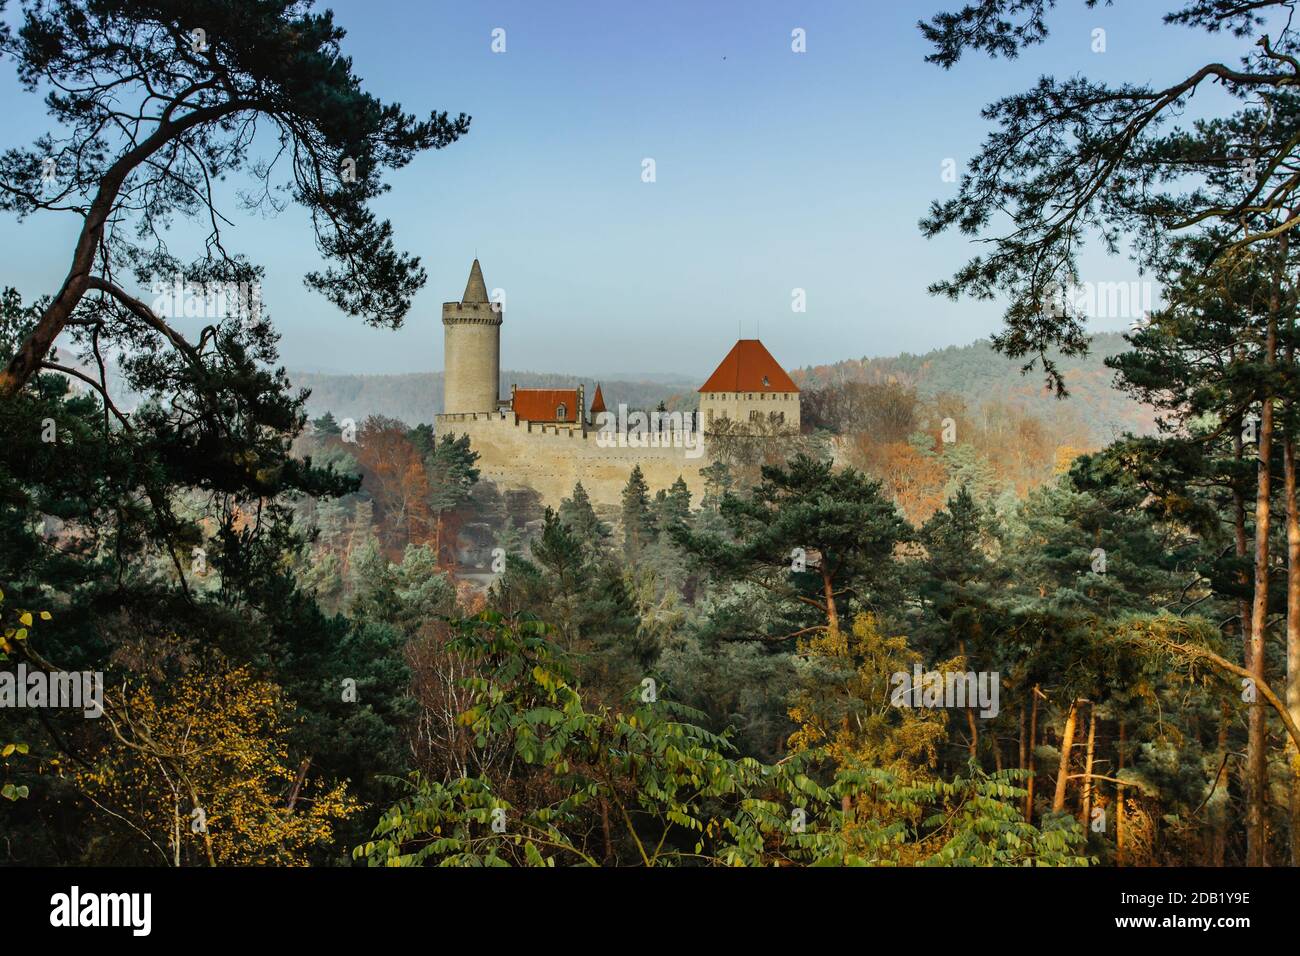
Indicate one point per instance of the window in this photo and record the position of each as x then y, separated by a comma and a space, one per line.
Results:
710, 416
777, 417
561, 413
766, 383
755, 415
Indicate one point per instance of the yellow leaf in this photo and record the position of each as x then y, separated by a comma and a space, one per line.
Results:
25, 618
9, 748
46, 616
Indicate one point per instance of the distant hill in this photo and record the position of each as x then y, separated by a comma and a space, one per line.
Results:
978, 374
416, 397
973, 372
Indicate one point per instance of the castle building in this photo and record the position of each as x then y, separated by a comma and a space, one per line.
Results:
749, 387
558, 405
545, 439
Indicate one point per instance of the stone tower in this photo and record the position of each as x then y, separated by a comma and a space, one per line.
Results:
472, 349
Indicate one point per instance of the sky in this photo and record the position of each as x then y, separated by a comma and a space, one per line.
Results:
774, 171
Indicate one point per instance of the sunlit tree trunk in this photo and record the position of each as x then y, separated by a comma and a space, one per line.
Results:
828, 589
1292, 596
1063, 769
1242, 547
1256, 758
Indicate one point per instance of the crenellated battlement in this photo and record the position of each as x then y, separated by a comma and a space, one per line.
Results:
481, 313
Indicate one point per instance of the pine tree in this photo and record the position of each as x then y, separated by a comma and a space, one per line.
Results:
717, 482
579, 515
326, 425
809, 536
638, 522
677, 505
449, 467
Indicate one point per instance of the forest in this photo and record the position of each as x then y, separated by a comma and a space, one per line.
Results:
924, 631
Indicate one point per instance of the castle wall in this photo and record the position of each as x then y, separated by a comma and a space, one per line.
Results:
551, 459
738, 406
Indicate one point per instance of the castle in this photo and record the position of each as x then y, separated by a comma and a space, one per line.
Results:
548, 439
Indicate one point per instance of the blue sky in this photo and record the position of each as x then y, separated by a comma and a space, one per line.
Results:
774, 171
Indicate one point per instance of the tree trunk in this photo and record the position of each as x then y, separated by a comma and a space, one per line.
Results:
1119, 799
828, 589
608, 839
1021, 764
27, 358
1219, 817
1033, 739
1063, 770
1242, 549
1243, 604
1292, 632
970, 714
1256, 758
1087, 767
1292, 593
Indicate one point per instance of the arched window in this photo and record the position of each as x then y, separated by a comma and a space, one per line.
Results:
561, 413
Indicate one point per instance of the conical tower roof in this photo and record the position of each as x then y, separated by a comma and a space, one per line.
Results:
475, 289
597, 401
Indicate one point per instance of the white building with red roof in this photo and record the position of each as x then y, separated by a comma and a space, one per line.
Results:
749, 387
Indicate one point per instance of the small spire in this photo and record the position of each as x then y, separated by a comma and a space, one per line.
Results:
597, 401
475, 289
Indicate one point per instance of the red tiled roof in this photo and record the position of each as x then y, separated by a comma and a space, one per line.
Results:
598, 402
749, 367
541, 404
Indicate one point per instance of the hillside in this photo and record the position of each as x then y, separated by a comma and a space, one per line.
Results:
978, 374
974, 373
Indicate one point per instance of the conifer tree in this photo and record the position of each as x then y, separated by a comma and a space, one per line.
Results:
813, 537
579, 515
638, 521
